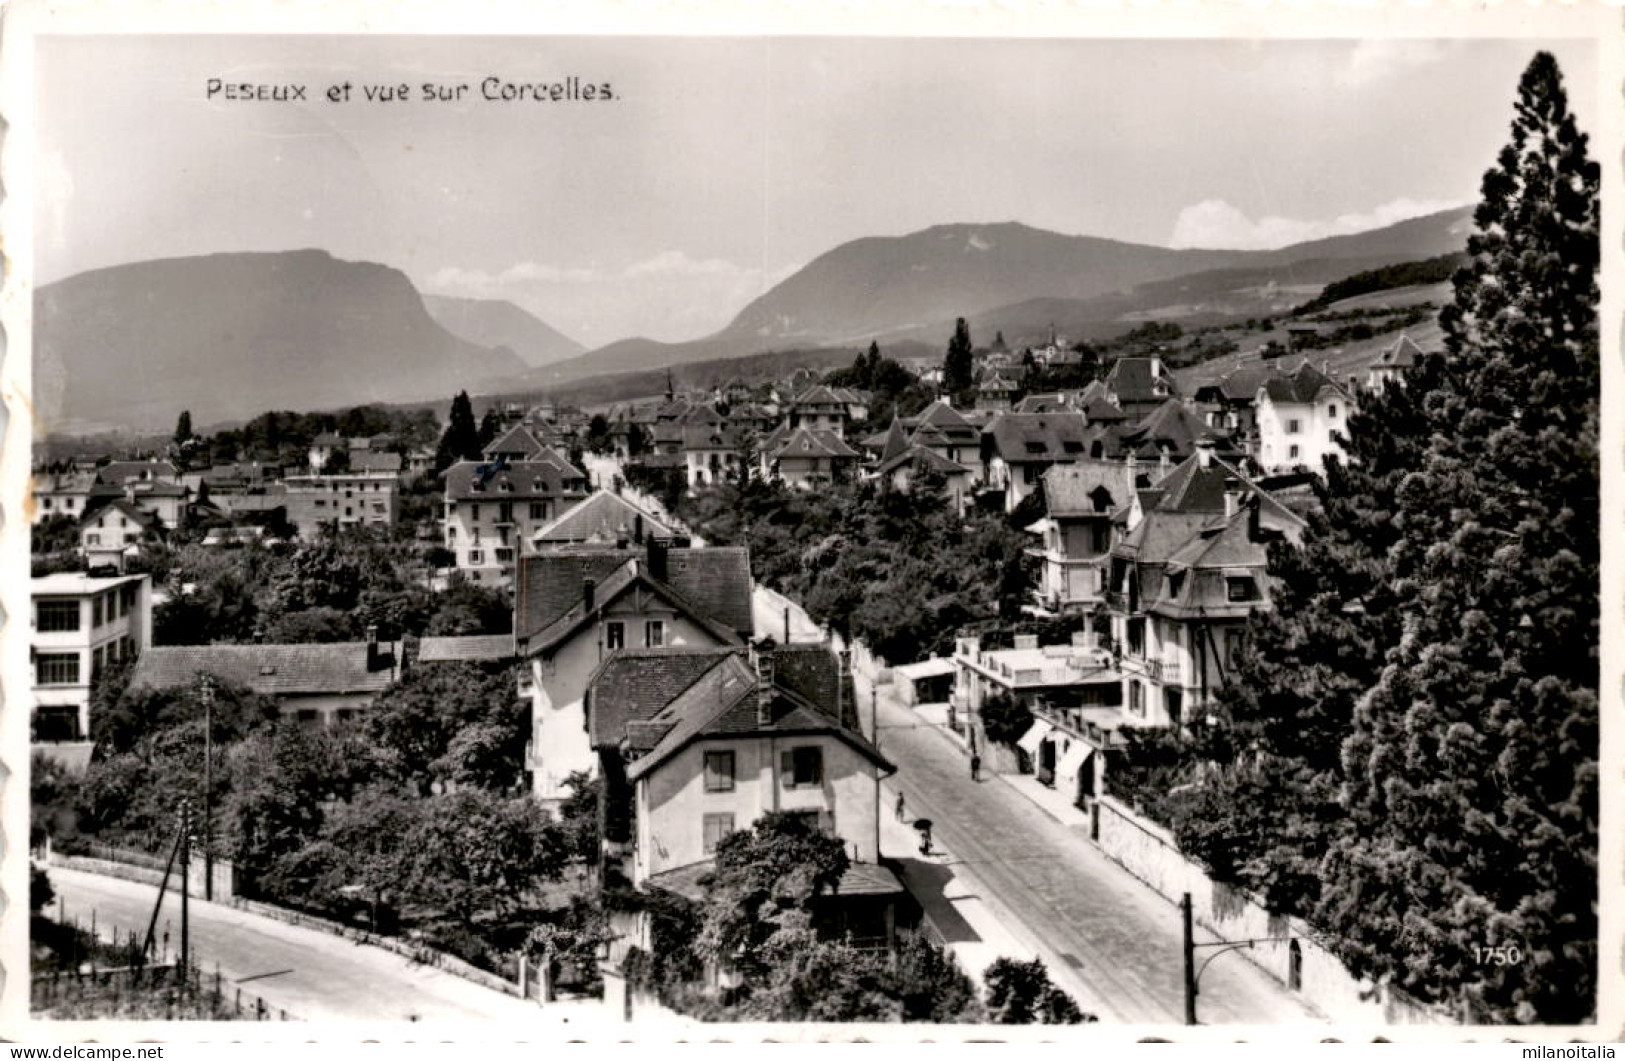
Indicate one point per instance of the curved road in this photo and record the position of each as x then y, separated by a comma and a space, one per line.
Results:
313, 975
1107, 935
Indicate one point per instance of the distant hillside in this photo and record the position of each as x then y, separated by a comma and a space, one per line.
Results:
497, 323
230, 335
1013, 278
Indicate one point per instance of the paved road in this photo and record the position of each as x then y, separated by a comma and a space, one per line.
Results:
1116, 936
314, 976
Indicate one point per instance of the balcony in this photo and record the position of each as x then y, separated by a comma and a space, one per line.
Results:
1163, 670
1084, 724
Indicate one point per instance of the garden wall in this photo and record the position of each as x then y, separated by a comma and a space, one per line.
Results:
1148, 851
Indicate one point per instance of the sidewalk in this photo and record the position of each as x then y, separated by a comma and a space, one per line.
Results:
1054, 803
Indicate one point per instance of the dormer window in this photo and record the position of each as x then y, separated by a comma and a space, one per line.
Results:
1240, 589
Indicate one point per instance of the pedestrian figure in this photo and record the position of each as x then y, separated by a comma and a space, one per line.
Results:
924, 826
975, 767
900, 810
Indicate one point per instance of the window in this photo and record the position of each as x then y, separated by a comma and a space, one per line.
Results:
806, 767
717, 828
308, 716
1241, 589
1136, 698
1292, 452
98, 661
719, 771
474, 511
476, 556
451, 532
614, 636
505, 512
96, 612
504, 556
58, 615
654, 633
538, 510
1331, 411
1293, 427
93, 539
320, 503
57, 668
1176, 585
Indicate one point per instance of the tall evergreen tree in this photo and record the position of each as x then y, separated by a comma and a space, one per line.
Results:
462, 438
957, 366
490, 427
183, 428
1470, 774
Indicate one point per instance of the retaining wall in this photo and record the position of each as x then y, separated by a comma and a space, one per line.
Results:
1148, 851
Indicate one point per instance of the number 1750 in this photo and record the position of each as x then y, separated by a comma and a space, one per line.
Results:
1507, 954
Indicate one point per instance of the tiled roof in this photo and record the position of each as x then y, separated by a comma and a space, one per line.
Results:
272, 670
470, 647
807, 442
950, 421
634, 685
1402, 353
1027, 437
708, 437
1302, 386
1071, 489
821, 395
505, 481
375, 461
895, 443
1042, 403
1172, 427
923, 459
120, 472
603, 517
1134, 379
712, 585
860, 878
141, 517
517, 439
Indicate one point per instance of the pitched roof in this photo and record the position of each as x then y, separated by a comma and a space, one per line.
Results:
709, 437
1071, 489
1172, 427
823, 395
1138, 379
632, 686
501, 480
272, 670
373, 460
1301, 387
1042, 403
140, 516
725, 701
860, 878
808, 442
895, 443
923, 459
467, 647
712, 586
1027, 437
327, 438
517, 439
602, 517
945, 418
1402, 353
120, 472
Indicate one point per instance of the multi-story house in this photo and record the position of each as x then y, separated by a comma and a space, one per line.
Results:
695, 744
822, 408
807, 458
901, 462
1018, 448
1229, 403
574, 606
1075, 537
343, 499
1188, 569
81, 624
996, 394
70, 494
492, 510
316, 685
1300, 418
111, 532
712, 453
1392, 364
1138, 385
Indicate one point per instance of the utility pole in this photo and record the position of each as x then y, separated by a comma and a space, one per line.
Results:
874, 737
1190, 960
186, 887
208, 787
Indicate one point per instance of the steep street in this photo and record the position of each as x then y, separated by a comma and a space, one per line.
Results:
1103, 933
314, 976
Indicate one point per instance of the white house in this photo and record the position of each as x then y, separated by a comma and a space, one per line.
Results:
493, 510
80, 624
1299, 418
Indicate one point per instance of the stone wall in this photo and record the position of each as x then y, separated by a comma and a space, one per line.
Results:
1148, 851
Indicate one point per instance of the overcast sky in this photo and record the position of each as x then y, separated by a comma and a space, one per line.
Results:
722, 165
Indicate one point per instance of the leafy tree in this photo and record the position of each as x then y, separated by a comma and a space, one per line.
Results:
598, 439
932, 987
1005, 718
451, 722
958, 367
1021, 993
490, 428
40, 890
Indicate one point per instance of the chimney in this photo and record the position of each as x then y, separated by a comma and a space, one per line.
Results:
589, 592
787, 624
764, 681
374, 657
1232, 496
637, 529
1204, 452
659, 567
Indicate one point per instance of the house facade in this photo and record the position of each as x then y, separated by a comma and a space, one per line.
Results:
111, 532
1018, 448
493, 510
575, 606
806, 458
80, 625
1074, 539
1300, 417
341, 500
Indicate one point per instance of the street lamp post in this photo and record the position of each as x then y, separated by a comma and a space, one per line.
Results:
208, 786
1193, 974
